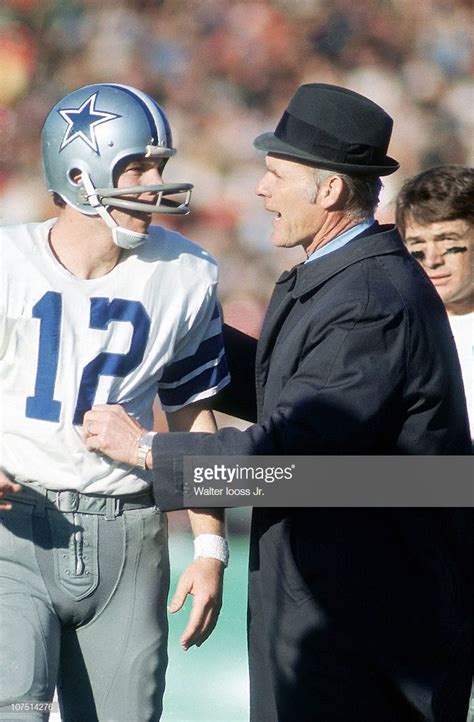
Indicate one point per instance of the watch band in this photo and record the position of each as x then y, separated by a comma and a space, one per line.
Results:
144, 446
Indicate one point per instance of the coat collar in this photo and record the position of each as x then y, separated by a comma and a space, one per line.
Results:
378, 240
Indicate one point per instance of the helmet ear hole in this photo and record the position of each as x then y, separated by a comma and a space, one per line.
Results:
74, 176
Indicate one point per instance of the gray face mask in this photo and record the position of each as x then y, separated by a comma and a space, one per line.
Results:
123, 237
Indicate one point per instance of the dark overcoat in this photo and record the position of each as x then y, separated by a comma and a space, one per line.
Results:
354, 614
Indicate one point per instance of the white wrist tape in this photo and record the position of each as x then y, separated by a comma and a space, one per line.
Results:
211, 546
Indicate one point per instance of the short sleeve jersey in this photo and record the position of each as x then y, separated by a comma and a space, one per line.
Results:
463, 332
150, 326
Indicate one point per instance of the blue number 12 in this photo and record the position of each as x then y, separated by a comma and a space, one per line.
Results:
49, 310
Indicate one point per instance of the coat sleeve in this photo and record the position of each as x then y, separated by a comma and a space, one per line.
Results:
239, 397
341, 396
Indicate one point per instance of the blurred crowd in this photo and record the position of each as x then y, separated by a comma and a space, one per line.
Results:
224, 71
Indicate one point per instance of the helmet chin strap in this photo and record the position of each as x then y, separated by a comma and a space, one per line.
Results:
127, 239
122, 237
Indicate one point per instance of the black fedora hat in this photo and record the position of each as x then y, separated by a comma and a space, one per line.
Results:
334, 128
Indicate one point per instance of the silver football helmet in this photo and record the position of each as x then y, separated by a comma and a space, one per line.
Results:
91, 131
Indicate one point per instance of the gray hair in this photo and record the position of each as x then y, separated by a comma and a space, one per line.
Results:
362, 193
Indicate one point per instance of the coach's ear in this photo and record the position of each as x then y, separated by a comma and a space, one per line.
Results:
238, 398
332, 193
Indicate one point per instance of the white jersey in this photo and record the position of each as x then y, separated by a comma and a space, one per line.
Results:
151, 325
463, 332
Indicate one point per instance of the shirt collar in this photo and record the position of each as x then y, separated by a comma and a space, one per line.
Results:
340, 240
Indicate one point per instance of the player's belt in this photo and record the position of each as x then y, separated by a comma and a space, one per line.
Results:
73, 501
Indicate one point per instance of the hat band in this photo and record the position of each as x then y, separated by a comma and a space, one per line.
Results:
323, 145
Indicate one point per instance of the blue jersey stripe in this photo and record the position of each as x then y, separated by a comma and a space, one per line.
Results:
209, 350
208, 379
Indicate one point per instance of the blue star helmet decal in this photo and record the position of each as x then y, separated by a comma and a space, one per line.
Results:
82, 123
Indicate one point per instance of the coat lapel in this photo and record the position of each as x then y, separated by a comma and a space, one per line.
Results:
280, 305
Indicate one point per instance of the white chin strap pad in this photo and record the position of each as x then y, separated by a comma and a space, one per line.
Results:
122, 237
127, 239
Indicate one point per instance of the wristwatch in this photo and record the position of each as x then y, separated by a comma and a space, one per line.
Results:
144, 446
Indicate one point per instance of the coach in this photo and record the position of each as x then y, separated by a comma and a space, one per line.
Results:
355, 615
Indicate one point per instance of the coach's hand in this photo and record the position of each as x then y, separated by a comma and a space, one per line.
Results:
7, 486
203, 579
109, 429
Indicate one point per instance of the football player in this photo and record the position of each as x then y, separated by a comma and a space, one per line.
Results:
435, 215
100, 306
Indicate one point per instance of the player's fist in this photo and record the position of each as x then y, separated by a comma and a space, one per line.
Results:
109, 429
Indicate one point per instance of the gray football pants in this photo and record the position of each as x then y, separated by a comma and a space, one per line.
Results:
83, 589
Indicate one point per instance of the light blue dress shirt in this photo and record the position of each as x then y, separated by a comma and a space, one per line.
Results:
341, 240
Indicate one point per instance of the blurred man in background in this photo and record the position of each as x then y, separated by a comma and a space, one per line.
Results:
435, 216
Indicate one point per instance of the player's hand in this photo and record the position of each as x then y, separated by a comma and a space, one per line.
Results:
109, 429
7, 486
203, 579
